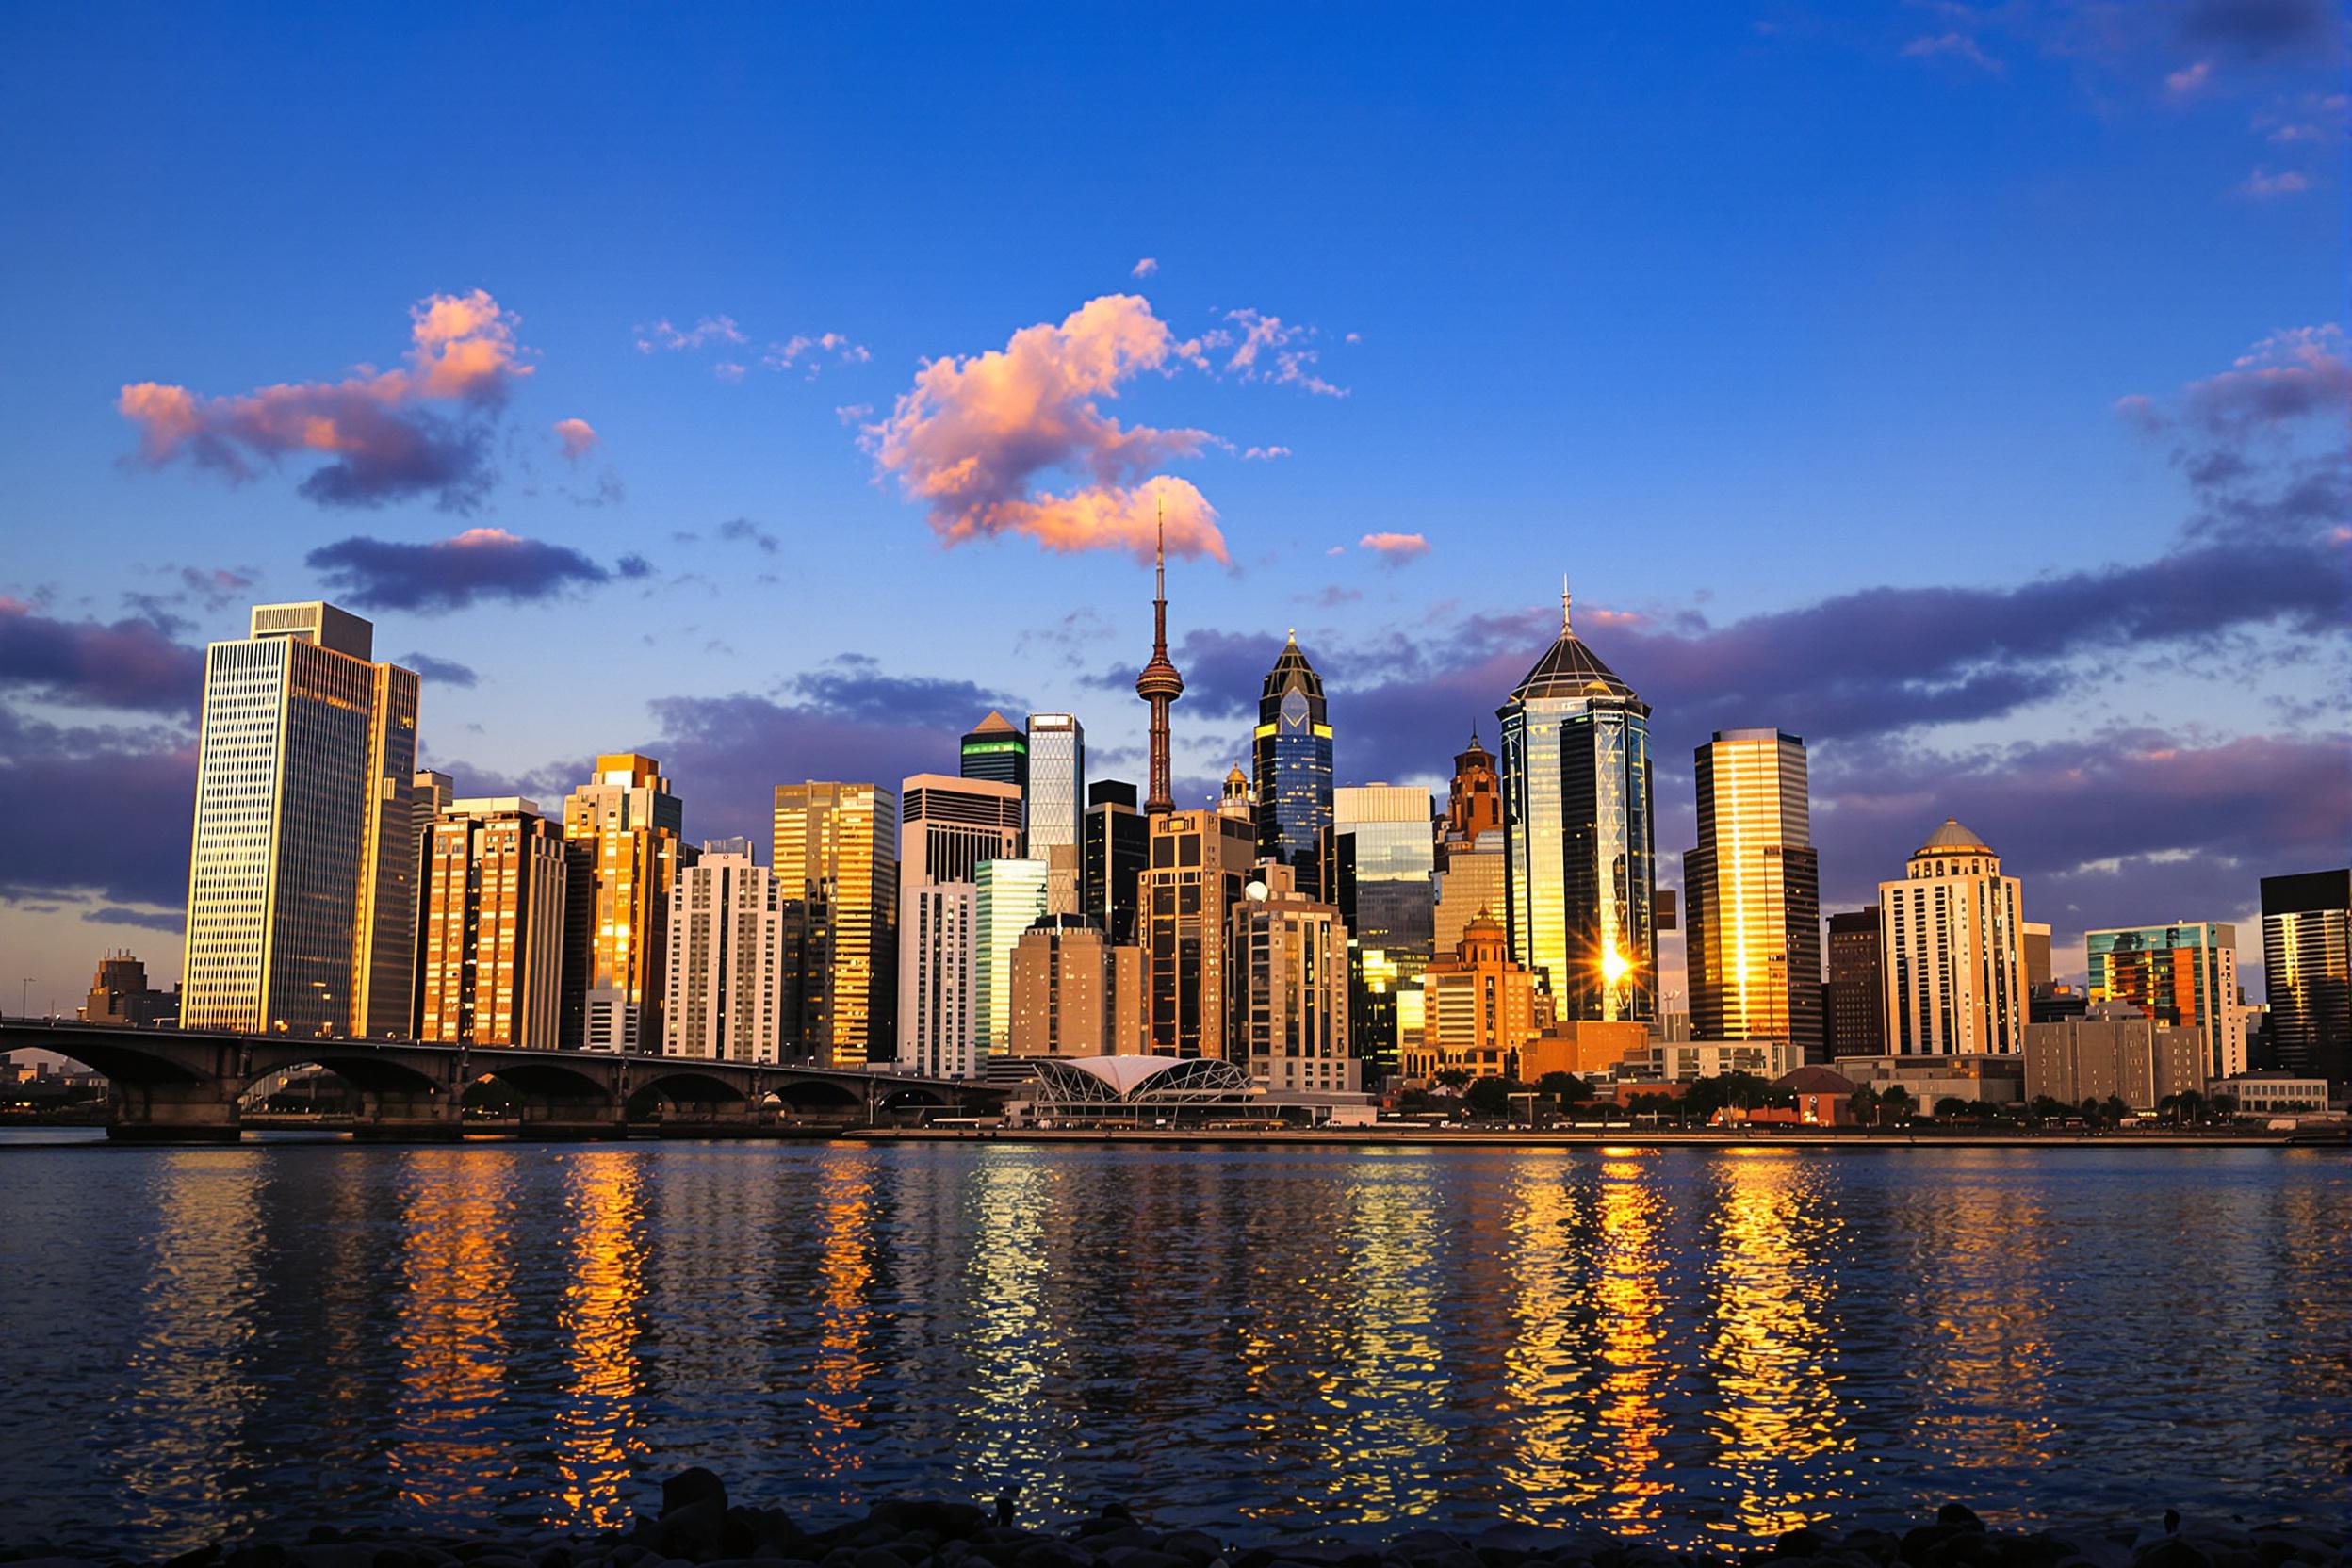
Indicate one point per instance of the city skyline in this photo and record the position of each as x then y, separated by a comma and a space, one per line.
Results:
2080, 582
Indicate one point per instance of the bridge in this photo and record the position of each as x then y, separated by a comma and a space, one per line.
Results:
173, 1086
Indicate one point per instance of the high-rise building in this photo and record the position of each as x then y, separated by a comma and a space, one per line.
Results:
1474, 803
949, 825
1291, 767
2036, 956
1752, 885
301, 887
1480, 1008
1952, 944
1010, 897
490, 948
1117, 844
1287, 974
1075, 994
938, 996
2184, 976
1381, 870
119, 996
1057, 794
1576, 771
626, 834
1853, 1009
1159, 684
1198, 860
2307, 965
996, 750
837, 859
725, 992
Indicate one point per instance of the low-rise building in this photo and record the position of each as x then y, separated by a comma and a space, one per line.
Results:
2272, 1093
1989, 1079
2114, 1051
1074, 993
1823, 1096
1687, 1061
1589, 1047
1481, 1009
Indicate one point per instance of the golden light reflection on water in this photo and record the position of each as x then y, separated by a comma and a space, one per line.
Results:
1632, 1313
838, 1395
1011, 1335
451, 1336
1386, 1281
598, 1427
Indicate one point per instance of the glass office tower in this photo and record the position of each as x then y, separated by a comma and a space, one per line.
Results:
2184, 975
1117, 844
1291, 757
995, 749
1057, 794
2306, 966
1752, 888
303, 860
836, 861
1382, 870
1576, 833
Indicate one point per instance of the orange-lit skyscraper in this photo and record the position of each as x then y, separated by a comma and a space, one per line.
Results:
1752, 886
302, 886
1952, 947
490, 948
836, 862
626, 835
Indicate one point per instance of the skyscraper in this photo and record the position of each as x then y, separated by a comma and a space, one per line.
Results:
725, 992
1159, 684
1057, 794
1472, 871
1577, 832
1116, 846
1752, 886
2306, 964
837, 859
997, 751
2184, 975
1288, 979
1198, 862
1952, 947
1010, 897
948, 828
490, 949
1075, 994
1291, 767
626, 835
303, 863
1853, 1003
1379, 872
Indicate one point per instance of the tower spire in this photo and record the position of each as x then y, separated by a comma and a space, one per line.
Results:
1567, 625
1159, 684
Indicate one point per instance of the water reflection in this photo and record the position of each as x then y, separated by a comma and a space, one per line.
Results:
1698, 1345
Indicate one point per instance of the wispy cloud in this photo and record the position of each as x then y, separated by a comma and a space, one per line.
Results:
1267, 348
2263, 185
451, 574
441, 672
418, 429
1953, 47
1264, 455
1145, 267
706, 330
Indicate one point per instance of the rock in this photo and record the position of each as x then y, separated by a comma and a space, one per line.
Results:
692, 1528
1195, 1547
1805, 1540
2170, 1552
940, 1521
1919, 1546
687, 1487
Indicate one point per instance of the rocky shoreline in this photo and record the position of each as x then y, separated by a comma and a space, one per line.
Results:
697, 1525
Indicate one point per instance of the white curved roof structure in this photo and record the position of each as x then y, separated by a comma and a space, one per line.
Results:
1141, 1080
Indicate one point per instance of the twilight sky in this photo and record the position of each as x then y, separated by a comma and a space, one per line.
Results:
1960, 387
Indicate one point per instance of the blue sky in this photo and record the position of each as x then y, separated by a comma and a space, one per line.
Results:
1805, 338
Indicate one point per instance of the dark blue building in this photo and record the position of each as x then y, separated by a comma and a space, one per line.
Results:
1292, 763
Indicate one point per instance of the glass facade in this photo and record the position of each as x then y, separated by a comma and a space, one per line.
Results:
1382, 867
1752, 888
2306, 966
837, 859
997, 751
1111, 861
1057, 793
1009, 899
303, 863
1291, 773
2184, 975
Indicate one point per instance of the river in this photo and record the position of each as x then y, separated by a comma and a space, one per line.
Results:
1693, 1343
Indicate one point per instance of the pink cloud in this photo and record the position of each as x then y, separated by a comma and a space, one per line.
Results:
2263, 185
1398, 548
2189, 80
1145, 267
709, 329
974, 435
1267, 348
379, 427
578, 436
1264, 455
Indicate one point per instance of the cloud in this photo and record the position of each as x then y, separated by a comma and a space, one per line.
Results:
2263, 186
174, 922
2263, 28
972, 436
810, 353
1958, 46
708, 329
2189, 80
850, 413
129, 665
578, 438
1264, 455
750, 532
1398, 548
451, 574
1267, 348
1145, 267
126, 841
441, 672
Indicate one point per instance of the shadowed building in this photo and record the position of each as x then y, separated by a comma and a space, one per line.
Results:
1075, 994
948, 828
837, 859
119, 996
304, 859
1198, 860
1951, 945
1291, 767
490, 949
1112, 859
2114, 1049
1854, 996
996, 750
625, 832
1754, 886
1575, 772
2306, 964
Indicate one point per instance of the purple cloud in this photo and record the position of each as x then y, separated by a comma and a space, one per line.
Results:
444, 672
129, 664
452, 574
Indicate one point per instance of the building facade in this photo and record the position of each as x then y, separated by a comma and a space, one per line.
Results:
2184, 976
2114, 1050
1474, 800
1199, 861
1008, 897
1951, 946
1577, 830
624, 834
1057, 806
995, 749
119, 996
1111, 861
938, 980
1074, 993
1753, 889
725, 990
1853, 999
303, 860
490, 947
1287, 978
1291, 767
1480, 1008
836, 854
1380, 868
2307, 965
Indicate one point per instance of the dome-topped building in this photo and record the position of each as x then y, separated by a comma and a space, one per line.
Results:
1577, 832
1951, 940
1952, 836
